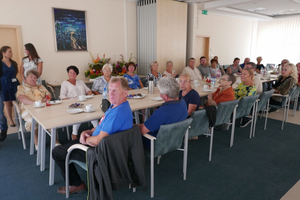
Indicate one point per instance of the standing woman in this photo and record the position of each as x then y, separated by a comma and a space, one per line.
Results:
31, 61
9, 82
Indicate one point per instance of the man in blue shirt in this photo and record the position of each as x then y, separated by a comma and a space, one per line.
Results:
246, 60
117, 118
172, 111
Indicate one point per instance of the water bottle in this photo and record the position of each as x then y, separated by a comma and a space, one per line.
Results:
150, 86
105, 91
213, 82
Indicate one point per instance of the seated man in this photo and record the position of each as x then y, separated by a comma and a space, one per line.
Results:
192, 71
203, 68
246, 60
117, 118
173, 110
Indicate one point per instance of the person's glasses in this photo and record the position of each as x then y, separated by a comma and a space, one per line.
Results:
183, 81
106, 70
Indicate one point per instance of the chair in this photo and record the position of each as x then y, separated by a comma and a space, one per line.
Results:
169, 138
285, 104
111, 141
294, 98
50, 89
244, 109
224, 112
262, 105
200, 126
19, 123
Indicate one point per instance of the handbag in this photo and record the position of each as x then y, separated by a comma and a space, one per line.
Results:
105, 105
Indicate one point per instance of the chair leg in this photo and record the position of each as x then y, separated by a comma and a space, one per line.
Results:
136, 117
158, 159
186, 138
68, 134
211, 143
67, 175
252, 119
233, 127
283, 118
152, 168
267, 112
22, 132
32, 137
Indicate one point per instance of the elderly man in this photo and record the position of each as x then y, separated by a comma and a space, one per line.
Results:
283, 62
257, 82
203, 68
246, 60
192, 70
173, 110
117, 118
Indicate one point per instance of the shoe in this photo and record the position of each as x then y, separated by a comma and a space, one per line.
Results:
245, 123
72, 189
12, 125
273, 110
3, 135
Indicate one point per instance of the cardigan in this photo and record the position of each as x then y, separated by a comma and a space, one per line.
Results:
226, 95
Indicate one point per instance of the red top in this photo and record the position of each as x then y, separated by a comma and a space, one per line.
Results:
298, 78
226, 95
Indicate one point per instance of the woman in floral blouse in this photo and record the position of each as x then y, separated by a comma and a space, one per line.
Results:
154, 73
246, 87
99, 82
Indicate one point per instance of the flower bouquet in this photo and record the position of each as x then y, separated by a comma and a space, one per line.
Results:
95, 68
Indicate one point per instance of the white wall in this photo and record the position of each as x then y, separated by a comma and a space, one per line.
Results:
105, 30
230, 37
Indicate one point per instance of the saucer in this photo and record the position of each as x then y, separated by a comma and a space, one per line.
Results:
89, 96
157, 99
93, 110
81, 100
42, 105
55, 102
74, 111
206, 90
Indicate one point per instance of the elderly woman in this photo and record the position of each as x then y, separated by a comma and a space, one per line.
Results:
259, 66
235, 67
246, 87
29, 93
72, 88
134, 80
214, 70
285, 83
155, 75
100, 82
224, 92
169, 69
190, 96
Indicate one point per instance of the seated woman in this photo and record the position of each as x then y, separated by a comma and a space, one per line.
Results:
235, 68
259, 66
72, 88
298, 70
169, 69
214, 70
190, 96
134, 80
100, 82
154, 72
224, 92
285, 83
246, 87
29, 93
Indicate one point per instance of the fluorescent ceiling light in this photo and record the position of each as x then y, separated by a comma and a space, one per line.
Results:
257, 9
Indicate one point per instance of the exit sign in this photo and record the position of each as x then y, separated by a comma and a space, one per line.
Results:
204, 12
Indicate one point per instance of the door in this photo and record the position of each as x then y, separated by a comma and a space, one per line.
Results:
11, 36
202, 49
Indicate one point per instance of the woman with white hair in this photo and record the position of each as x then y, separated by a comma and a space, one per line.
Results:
259, 66
155, 75
285, 83
169, 69
100, 82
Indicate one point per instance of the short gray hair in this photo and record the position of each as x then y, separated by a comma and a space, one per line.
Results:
152, 63
170, 61
34, 72
108, 65
169, 86
123, 81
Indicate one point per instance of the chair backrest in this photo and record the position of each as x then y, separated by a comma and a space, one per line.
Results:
294, 91
225, 110
263, 99
292, 95
200, 123
170, 137
245, 105
16, 106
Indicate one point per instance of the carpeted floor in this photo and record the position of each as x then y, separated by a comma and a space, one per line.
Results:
264, 167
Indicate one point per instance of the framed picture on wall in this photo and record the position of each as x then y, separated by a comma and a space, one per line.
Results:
70, 30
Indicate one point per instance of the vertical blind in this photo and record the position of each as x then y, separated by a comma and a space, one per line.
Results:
146, 35
279, 39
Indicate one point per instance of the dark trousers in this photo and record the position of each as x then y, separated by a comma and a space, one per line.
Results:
59, 154
274, 102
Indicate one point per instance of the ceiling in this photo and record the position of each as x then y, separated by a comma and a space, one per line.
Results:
259, 9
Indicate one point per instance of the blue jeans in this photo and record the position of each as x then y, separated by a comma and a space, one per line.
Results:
3, 121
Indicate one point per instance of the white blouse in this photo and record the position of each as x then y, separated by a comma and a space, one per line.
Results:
28, 65
70, 91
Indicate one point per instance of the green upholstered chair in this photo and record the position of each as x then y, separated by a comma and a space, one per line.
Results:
262, 106
200, 126
169, 138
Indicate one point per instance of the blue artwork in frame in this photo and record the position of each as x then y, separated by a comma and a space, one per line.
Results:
70, 30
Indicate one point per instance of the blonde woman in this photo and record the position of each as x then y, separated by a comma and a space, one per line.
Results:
259, 66
246, 87
154, 72
285, 83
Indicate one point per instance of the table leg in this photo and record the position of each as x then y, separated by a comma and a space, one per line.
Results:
38, 154
52, 162
32, 137
43, 148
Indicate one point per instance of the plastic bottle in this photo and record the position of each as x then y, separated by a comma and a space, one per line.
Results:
48, 100
213, 82
105, 91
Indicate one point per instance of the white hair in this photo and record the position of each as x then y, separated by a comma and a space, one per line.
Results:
169, 86
108, 65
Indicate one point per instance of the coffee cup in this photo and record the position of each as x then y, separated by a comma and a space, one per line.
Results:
196, 85
205, 87
37, 103
81, 97
89, 107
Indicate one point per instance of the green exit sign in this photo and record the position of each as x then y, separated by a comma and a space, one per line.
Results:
204, 12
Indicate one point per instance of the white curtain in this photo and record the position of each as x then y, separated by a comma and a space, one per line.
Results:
146, 33
279, 39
